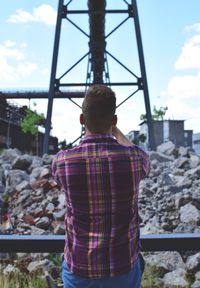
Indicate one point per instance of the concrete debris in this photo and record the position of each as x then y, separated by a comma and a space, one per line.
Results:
169, 202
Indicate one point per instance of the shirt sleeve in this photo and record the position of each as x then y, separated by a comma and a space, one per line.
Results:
55, 169
146, 164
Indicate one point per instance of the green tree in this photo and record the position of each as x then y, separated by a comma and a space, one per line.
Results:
140, 139
62, 144
31, 123
158, 114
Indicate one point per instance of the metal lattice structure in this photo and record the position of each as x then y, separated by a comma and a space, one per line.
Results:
97, 65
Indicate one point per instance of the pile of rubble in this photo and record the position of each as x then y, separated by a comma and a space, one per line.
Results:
170, 197
36, 205
169, 202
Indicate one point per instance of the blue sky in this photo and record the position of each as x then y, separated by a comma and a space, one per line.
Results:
171, 43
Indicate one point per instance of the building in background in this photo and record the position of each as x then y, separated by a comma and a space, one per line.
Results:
133, 135
12, 136
196, 143
169, 130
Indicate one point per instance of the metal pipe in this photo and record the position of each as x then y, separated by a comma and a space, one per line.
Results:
97, 39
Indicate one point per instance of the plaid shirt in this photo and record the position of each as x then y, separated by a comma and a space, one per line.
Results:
100, 178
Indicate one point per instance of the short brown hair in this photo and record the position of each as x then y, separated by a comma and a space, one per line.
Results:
98, 108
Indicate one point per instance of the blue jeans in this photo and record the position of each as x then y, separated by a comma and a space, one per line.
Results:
129, 280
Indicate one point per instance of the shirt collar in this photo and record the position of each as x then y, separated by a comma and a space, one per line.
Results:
98, 138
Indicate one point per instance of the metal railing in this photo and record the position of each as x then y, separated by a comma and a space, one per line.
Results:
55, 243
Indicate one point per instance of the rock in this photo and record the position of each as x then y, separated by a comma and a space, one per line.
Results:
15, 177
28, 219
2, 188
38, 211
10, 269
61, 200
59, 228
182, 198
60, 215
38, 256
189, 213
194, 161
168, 261
176, 278
47, 159
183, 182
152, 227
183, 151
41, 183
197, 276
45, 173
186, 228
36, 162
36, 172
2, 175
159, 157
21, 255
8, 155
193, 263
23, 196
43, 223
22, 162
178, 172
182, 162
196, 284
166, 180
6, 168
37, 231
167, 148
50, 207
193, 172
37, 265
23, 185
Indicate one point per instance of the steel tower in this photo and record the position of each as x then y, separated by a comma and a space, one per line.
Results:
97, 70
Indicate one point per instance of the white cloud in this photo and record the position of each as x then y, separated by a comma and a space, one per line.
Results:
9, 43
184, 87
23, 45
6, 71
45, 72
184, 110
44, 13
190, 55
20, 16
182, 99
194, 27
26, 68
8, 49
182, 94
14, 64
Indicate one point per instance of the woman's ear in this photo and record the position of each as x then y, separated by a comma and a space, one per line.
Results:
82, 120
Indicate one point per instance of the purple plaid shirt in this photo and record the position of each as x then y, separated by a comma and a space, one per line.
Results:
100, 178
